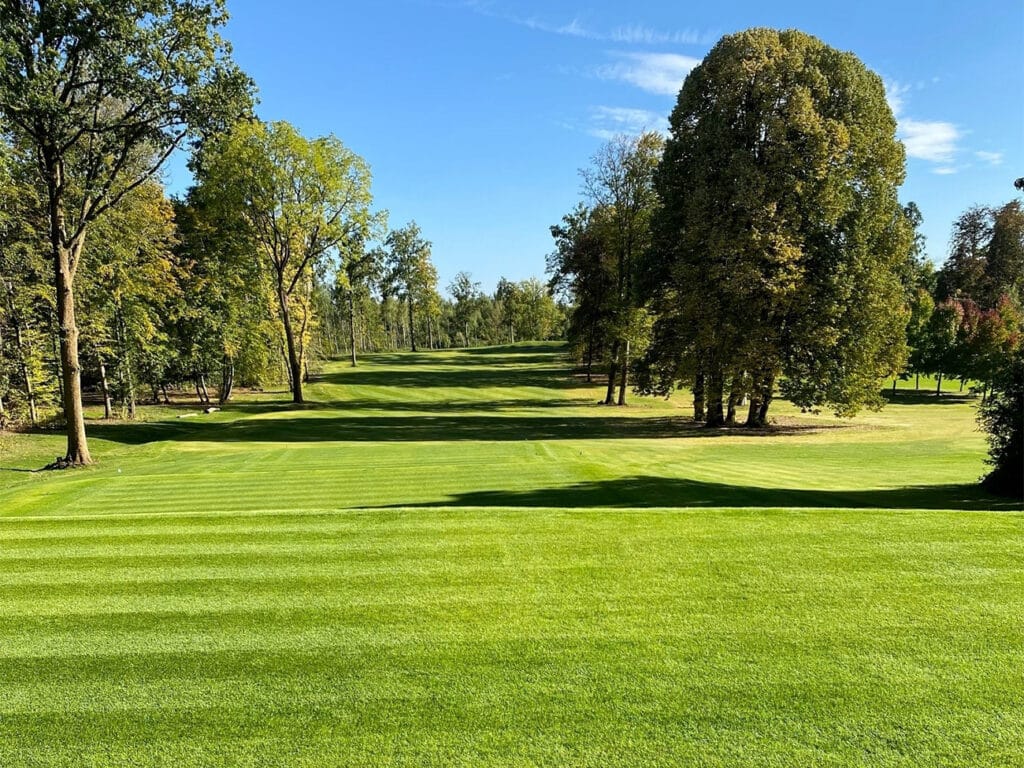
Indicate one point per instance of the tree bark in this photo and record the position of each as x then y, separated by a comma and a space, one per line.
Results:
126, 365
294, 361
65, 257
613, 363
754, 411
590, 353
108, 412
352, 325
917, 382
767, 395
412, 328
699, 411
227, 381
938, 386
735, 395
19, 343
624, 374
715, 392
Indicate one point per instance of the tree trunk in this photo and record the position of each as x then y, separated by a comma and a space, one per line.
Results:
227, 381
294, 361
19, 343
590, 353
624, 375
766, 400
352, 325
699, 411
55, 338
163, 389
715, 392
961, 383
894, 387
65, 262
609, 396
203, 389
108, 412
126, 365
917, 382
938, 386
734, 398
754, 412
511, 332
412, 328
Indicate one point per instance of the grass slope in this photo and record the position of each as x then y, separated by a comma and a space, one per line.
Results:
211, 595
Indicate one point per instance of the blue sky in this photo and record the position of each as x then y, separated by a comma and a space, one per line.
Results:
476, 115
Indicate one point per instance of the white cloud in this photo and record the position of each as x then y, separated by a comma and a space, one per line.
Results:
933, 140
608, 122
992, 158
661, 73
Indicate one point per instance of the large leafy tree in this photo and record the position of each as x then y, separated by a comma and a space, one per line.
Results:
102, 92
780, 236
466, 312
129, 290
620, 184
582, 270
1002, 417
300, 200
410, 273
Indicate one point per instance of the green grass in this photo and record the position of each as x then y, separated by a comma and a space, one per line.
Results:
460, 559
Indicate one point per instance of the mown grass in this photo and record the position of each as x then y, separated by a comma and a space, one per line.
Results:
426, 566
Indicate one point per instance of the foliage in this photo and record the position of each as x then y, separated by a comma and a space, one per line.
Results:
1002, 417
101, 93
779, 241
298, 200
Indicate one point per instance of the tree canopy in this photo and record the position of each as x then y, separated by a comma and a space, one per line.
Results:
778, 242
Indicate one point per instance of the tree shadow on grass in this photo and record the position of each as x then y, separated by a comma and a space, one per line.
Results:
646, 491
452, 376
922, 397
424, 428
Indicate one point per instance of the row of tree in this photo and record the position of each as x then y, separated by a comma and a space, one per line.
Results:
762, 247
274, 259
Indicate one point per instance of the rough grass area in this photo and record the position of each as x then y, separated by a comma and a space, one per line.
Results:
424, 567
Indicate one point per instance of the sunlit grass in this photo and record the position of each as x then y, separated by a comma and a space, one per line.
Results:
461, 559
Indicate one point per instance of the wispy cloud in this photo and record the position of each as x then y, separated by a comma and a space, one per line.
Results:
608, 122
633, 34
936, 141
661, 73
992, 158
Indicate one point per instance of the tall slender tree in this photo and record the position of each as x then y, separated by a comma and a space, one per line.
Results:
102, 93
300, 200
410, 271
